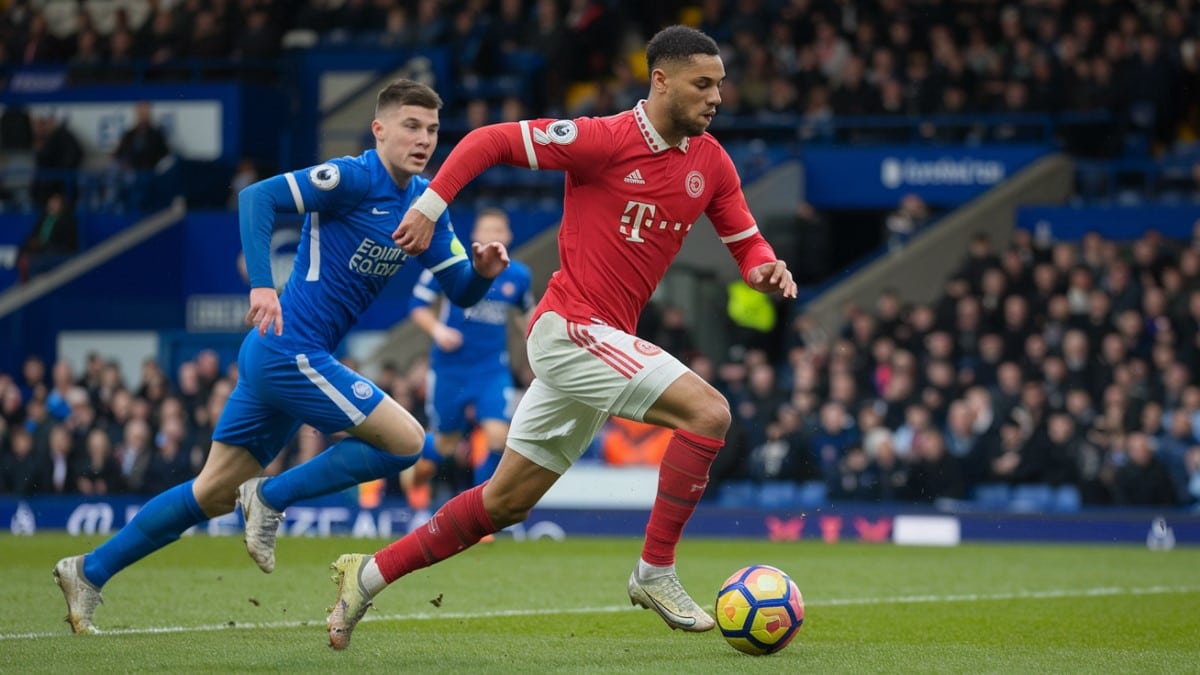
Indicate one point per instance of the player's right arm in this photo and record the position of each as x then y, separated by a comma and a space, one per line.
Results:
325, 187
420, 310
580, 146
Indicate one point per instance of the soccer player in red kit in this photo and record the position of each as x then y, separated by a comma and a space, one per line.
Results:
636, 183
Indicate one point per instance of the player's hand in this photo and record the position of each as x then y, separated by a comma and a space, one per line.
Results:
265, 311
414, 233
490, 259
446, 338
773, 278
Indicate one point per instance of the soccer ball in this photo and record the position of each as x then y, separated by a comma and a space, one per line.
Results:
759, 610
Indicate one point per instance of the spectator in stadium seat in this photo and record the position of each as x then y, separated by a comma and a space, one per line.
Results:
901, 225
121, 62
57, 153
134, 453
1192, 463
58, 467
1143, 479
62, 381
933, 474
141, 147
20, 468
1000, 454
257, 41
53, 238
169, 463
97, 473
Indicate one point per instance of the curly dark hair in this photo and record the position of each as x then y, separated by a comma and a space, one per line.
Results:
678, 43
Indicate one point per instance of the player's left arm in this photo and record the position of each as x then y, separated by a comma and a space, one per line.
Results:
463, 280
761, 269
323, 187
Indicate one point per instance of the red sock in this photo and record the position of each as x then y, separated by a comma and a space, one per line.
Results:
459, 524
682, 478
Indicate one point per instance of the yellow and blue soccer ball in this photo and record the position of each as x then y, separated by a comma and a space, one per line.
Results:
759, 610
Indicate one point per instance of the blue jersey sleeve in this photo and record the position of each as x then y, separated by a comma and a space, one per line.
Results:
448, 261
334, 186
426, 292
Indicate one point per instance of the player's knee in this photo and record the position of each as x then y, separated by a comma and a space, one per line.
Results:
710, 416
214, 500
408, 440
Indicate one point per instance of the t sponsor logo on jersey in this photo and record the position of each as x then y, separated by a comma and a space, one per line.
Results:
694, 183
361, 390
635, 177
639, 216
647, 348
375, 211
324, 176
377, 260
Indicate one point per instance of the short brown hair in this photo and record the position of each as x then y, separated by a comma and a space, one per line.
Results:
407, 92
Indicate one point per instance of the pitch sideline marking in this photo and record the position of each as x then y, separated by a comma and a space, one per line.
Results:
1103, 591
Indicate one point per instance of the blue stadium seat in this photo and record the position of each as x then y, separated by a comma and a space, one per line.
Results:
737, 494
778, 494
1067, 499
812, 494
1032, 498
992, 496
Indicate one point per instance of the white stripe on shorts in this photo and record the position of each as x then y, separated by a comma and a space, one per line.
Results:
615, 358
355, 415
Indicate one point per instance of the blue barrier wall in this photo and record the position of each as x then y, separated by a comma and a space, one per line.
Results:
341, 515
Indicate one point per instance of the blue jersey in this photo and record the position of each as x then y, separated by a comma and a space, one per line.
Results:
346, 255
345, 258
483, 325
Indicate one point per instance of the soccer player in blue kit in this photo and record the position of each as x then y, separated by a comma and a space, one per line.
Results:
287, 372
469, 364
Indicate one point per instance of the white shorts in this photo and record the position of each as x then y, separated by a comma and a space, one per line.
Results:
584, 373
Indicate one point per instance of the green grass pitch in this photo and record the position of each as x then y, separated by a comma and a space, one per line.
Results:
560, 607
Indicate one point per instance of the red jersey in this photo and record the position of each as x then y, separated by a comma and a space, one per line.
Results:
630, 200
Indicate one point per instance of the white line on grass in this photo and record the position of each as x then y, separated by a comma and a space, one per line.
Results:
1103, 591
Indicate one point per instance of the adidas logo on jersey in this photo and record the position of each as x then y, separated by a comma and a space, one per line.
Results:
635, 177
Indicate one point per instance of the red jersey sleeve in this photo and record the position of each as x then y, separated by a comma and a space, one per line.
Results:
733, 221
578, 146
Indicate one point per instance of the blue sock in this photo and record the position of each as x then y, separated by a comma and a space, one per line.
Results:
346, 464
488, 467
157, 524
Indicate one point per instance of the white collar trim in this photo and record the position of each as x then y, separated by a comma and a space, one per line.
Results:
653, 139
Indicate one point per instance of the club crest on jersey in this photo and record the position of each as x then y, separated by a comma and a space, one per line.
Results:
647, 348
324, 176
694, 183
361, 390
562, 132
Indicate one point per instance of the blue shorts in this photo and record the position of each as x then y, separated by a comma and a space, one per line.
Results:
278, 391
449, 394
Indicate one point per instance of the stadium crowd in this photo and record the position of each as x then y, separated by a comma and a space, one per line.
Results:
788, 60
1046, 363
